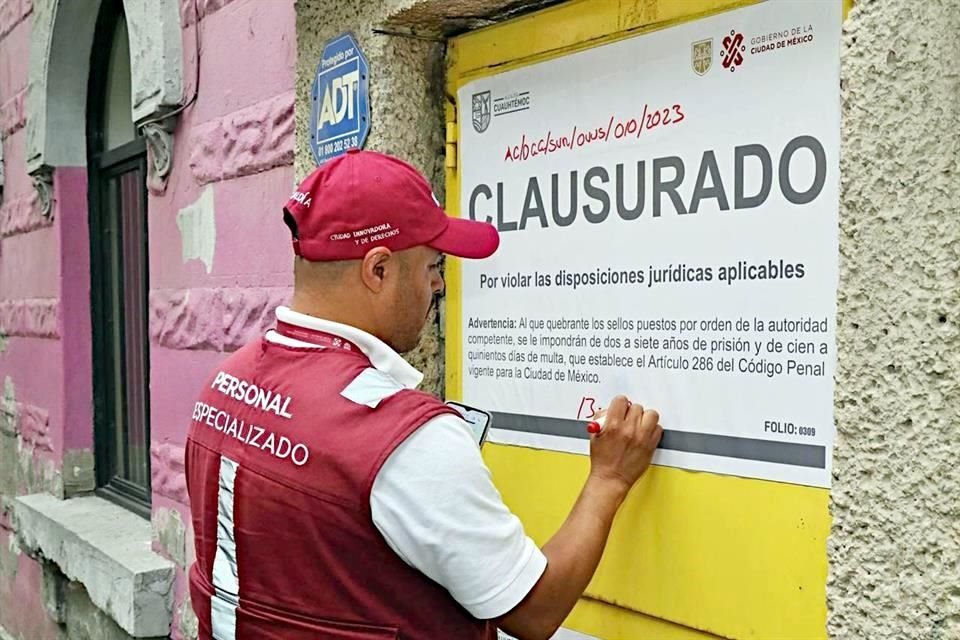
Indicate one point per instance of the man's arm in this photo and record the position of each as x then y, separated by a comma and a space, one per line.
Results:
436, 506
618, 456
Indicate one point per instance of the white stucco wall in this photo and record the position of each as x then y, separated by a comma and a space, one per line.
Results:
895, 547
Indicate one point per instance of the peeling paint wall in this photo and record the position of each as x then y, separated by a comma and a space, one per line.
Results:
25, 462
198, 229
895, 547
170, 535
21, 583
220, 256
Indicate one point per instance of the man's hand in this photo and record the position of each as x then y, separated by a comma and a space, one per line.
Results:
619, 455
622, 451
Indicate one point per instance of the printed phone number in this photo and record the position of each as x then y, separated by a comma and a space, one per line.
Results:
339, 146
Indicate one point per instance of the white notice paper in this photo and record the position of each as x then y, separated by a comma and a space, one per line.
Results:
668, 213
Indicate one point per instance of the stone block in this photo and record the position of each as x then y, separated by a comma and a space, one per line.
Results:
34, 426
213, 319
167, 471
9, 464
85, 621
106, 549
23, 214
9, 547
13, 114
54, 585
248, 141
170, 534
37, 473
156, 57
190, 8
12, 12
32, 318
25, 433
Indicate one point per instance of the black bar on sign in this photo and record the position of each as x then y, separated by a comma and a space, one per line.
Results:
799, 455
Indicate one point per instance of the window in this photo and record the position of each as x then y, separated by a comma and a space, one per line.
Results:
119, 270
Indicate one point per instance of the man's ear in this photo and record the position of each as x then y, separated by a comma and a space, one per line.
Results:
375, 266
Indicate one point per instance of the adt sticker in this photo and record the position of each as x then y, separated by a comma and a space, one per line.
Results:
340, 113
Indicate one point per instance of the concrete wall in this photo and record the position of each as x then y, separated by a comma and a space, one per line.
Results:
895, 546
406, 95
403, 41
220, 260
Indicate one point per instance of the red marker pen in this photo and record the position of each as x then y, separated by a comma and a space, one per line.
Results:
594, 427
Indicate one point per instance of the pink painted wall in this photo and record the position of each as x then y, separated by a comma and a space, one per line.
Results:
236, 140
29, 260
23, 585
30, 275
75, 322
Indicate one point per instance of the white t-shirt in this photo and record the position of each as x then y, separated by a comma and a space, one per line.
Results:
434, 501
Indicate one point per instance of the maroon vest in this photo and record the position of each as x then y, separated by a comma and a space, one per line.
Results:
279, 469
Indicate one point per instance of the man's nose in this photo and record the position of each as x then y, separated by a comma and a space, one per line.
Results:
438, 285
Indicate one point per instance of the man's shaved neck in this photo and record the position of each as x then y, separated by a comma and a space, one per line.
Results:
329, 290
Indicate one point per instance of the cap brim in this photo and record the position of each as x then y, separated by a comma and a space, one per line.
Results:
467, 239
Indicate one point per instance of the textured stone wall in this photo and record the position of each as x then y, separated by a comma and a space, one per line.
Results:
189, 9
404, 42
25, 445
157, 56
13, 113
406, 98
12, 12
167, 469
218, 319
56, 103
895, 547
22, 214
35, 318
244, 142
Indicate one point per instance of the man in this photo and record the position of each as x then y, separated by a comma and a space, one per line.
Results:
329, 498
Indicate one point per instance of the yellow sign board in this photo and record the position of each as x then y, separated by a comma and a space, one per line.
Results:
692, 554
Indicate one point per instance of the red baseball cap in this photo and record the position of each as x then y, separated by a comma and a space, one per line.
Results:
364, 199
